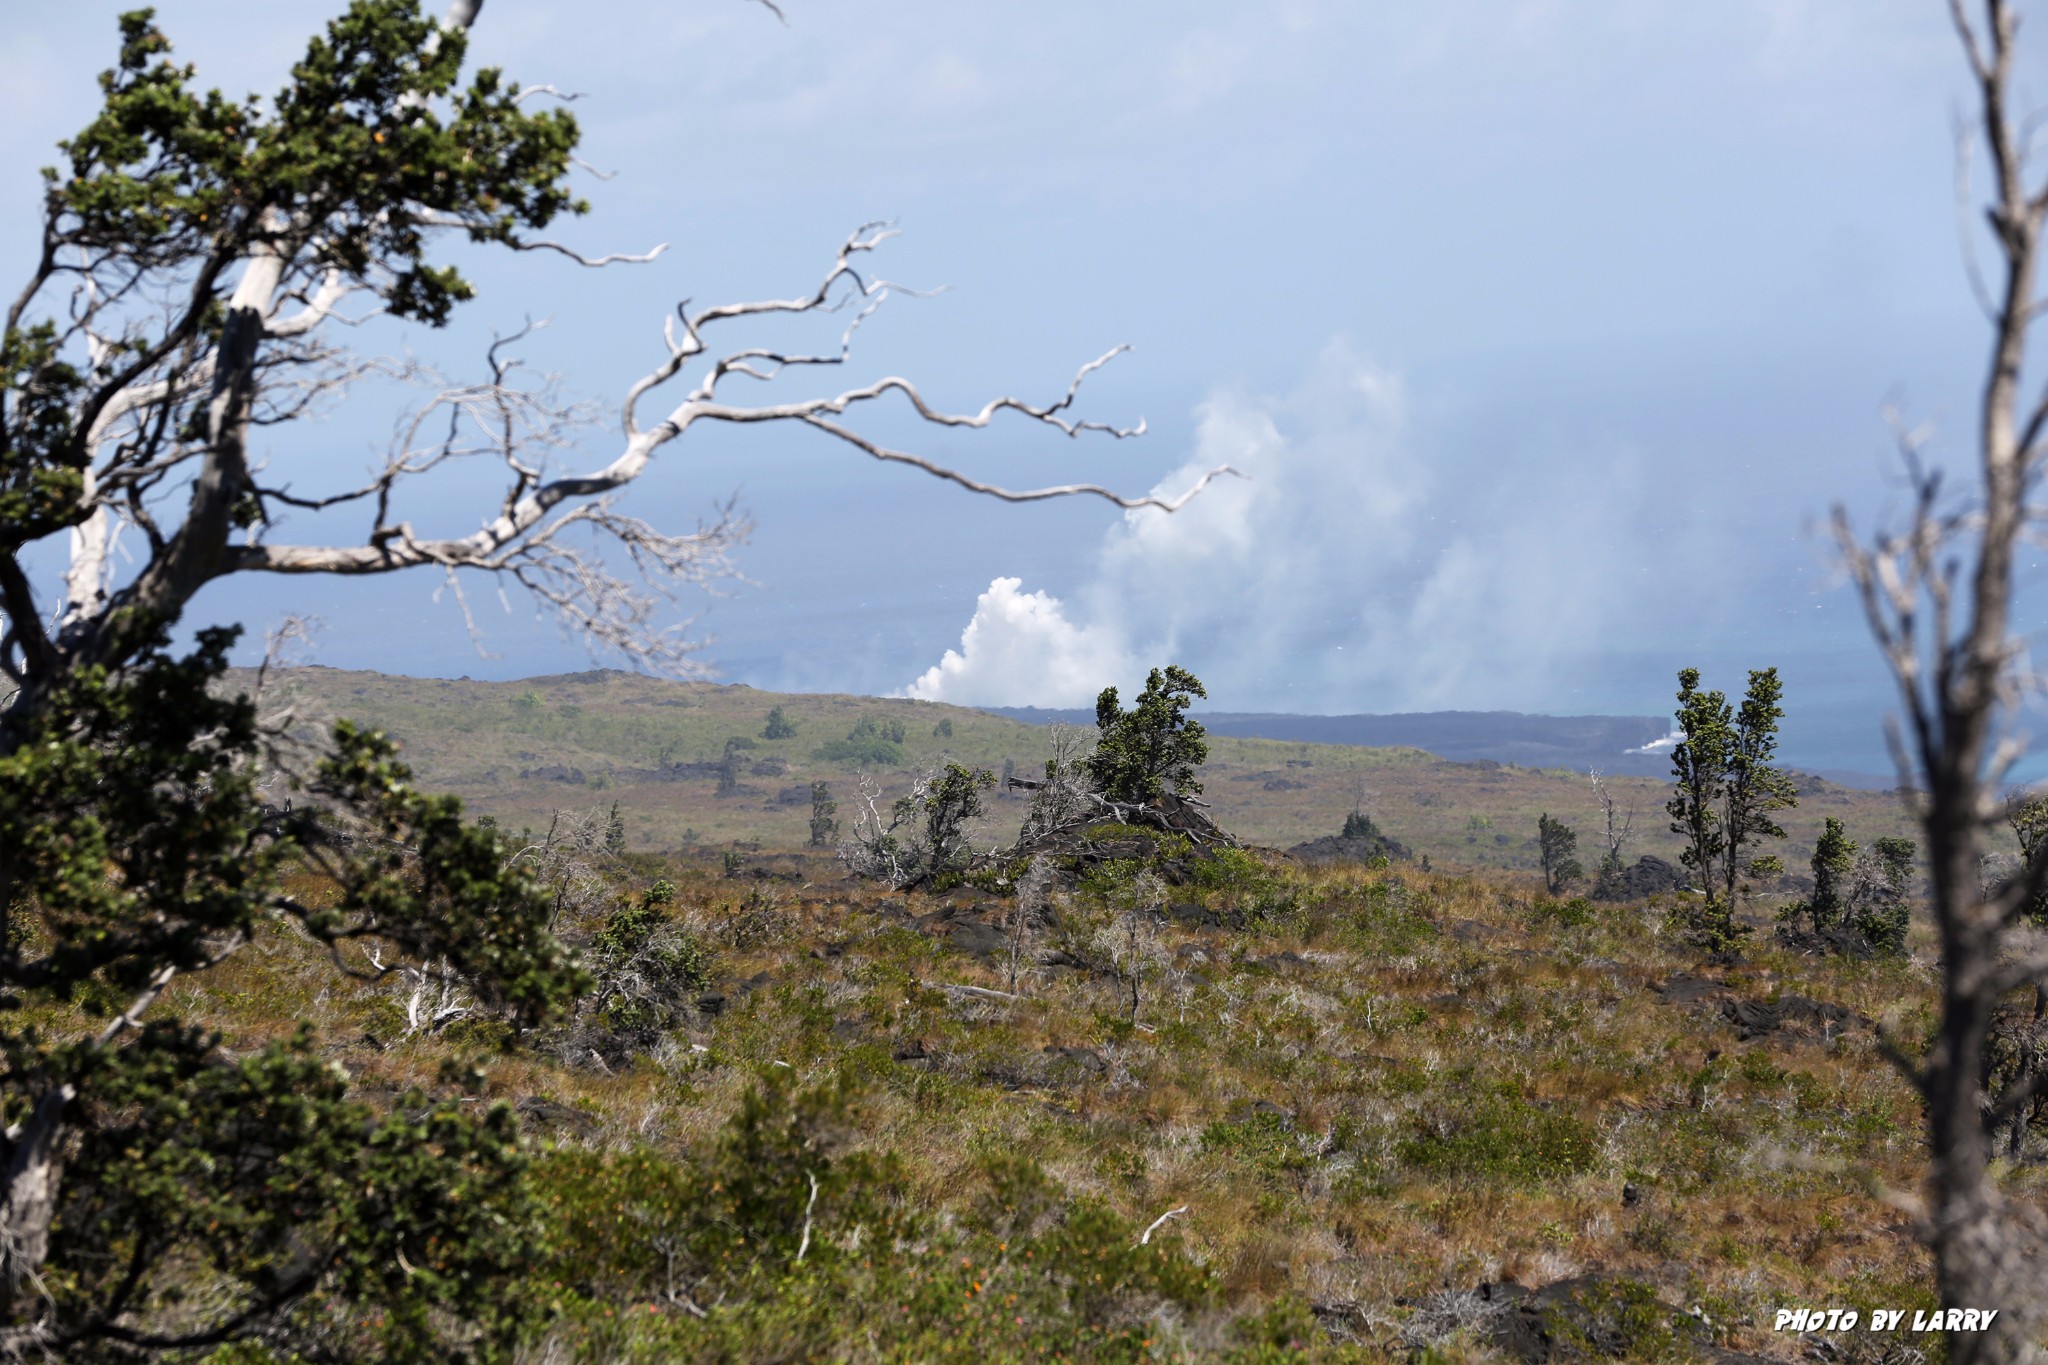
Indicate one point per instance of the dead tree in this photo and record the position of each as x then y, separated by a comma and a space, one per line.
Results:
1608, 878
198, 264
1938, 594
168, 404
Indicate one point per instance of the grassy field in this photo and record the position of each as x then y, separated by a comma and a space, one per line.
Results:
1364, 1094
1272, 1113
519, 751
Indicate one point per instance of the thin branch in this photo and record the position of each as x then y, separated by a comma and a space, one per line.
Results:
594, 262
803, 1247
1161, 1221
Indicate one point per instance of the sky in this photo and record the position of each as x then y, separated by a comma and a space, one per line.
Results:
1547, 334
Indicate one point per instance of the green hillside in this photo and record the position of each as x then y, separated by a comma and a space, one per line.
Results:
519, 751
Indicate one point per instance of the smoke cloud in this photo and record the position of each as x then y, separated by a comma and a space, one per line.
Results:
1346, 573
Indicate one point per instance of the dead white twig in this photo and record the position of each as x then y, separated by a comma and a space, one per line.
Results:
1161, 1221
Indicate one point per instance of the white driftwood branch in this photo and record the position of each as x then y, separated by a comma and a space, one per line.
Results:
1161, 1221
526, 539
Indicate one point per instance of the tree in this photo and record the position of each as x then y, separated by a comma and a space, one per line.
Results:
2026, 814
779, 726
729, 765
1880, 893
198, 260
924, 835
1698, 762
1067, 796
1860, 897
1834, 863
1753, 788
1153, 747
824, 810
1938, 595
1610, 880
950, 799
133, 850
1556, 844
1726, 790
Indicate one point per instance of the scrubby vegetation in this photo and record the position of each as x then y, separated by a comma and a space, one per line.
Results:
827, 1121
1120, 1089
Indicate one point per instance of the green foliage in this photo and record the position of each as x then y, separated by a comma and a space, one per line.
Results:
173, 177
1834, 858
647, 968
1496, 1135
1864, 895
1621, 1318
1263, 1143
198, 1194
1880, 908
824, 812
1153, 747
747, 1207
1556, 843
132, 847
1754, 789
1231, 869
1572, 914
436, 887
2027, 814
1727, 790
1610, 881
1285, 1331
870, 743
731, 1256
1698, 763
387, 1236
944, 729
779, 725
948, 802
41, 462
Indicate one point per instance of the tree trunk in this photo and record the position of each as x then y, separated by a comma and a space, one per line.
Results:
35, 1172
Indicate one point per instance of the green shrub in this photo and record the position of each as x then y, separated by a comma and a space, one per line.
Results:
1263, 1142
1231, 869
1026, 1274
1572, 914
870, 743
1502, 1137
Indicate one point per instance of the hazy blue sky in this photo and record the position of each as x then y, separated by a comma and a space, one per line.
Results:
1548, 332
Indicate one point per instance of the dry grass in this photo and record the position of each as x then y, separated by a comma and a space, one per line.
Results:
478, 738
1390, 1086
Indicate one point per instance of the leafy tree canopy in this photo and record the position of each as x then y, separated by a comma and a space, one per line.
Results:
162, 1192
1153, 747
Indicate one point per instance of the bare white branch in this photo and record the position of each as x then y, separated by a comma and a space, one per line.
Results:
615, 258
1161, 1221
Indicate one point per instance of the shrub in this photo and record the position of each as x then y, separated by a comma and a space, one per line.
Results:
648, 967
870, 743
1570, 914
1502, 1137
935, 814
1231, 869
1556, 843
